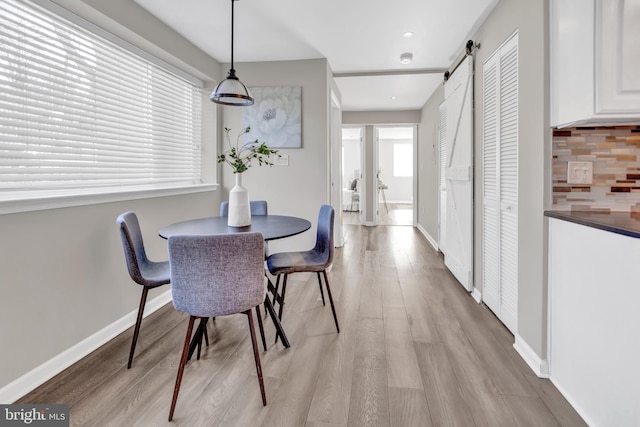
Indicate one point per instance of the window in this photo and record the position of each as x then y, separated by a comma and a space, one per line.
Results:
402, 159
79, 111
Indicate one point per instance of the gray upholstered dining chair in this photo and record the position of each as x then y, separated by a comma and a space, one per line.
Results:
257, 207
143, 271
315, 260
217, 275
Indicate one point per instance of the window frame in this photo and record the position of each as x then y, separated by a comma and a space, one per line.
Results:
31, 200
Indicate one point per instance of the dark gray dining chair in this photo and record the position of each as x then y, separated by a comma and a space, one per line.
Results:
257, 207
315, 260
143, 271
217, 275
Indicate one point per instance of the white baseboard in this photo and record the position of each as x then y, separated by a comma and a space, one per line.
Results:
540, 366
574, 404
476, 295
427, 236
38, 376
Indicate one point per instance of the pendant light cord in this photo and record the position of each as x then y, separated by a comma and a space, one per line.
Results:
232, 3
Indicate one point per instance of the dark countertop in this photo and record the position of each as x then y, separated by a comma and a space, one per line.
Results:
625, 223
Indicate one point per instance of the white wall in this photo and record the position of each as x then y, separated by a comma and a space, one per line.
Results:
351, 160
428, 165
400, 187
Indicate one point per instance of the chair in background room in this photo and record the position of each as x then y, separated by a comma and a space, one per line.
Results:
143, 271
258, 207
351, 197
217, 275
315, 260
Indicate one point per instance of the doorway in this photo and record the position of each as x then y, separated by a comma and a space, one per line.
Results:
395, 175
352, 175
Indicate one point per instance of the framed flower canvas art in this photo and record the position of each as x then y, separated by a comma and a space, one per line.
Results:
275, 118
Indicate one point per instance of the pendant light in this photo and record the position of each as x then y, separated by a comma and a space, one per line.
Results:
231, 91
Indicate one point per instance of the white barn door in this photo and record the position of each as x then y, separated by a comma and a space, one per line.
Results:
442, 182
500, 183
458, 221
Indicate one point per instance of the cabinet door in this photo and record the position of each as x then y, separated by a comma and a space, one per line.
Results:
617, 56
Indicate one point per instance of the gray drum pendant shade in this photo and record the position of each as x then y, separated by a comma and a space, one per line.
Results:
231, 91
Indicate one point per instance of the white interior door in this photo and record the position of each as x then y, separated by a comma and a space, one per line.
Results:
335, 171
500, 183
458, 235
442, 147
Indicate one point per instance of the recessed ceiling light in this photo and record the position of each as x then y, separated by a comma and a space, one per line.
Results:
406, 58
393, 98
407, 34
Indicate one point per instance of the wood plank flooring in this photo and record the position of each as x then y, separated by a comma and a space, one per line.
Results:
414, 350
389, 214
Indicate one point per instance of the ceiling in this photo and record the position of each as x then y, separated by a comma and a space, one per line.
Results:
361, 39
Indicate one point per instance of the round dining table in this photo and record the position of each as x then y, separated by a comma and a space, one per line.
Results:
272, 227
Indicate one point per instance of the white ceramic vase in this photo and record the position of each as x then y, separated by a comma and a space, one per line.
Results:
239, 207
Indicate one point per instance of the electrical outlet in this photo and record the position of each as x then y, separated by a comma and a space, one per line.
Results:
580, 173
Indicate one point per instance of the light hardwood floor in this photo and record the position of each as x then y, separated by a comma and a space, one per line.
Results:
414, 350
388, 214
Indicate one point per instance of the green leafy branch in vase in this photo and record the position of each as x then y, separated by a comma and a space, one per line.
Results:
240, 156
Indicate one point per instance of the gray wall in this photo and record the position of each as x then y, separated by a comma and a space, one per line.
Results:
64, 268
302, 195
63, 272
530, 19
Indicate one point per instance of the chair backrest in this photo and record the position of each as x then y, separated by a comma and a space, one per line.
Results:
133, 245
216, 275
324, 235
257, 207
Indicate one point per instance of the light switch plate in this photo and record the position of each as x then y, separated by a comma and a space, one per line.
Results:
580, 173
283, 160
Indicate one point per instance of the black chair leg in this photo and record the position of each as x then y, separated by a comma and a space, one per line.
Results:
333, 309
183, 361
261, 326
320, 285
202, 331
206, 334
275, 292
136, 330
284, 289
276, 322
256, 356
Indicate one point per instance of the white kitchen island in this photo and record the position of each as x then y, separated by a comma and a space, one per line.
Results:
594, 314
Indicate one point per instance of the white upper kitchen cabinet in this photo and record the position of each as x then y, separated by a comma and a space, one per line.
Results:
595, 62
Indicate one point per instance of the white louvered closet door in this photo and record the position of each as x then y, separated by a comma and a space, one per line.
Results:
500, 183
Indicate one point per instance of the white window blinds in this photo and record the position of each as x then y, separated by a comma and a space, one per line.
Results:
77, 110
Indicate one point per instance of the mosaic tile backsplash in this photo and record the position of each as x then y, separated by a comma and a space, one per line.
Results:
615, 153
